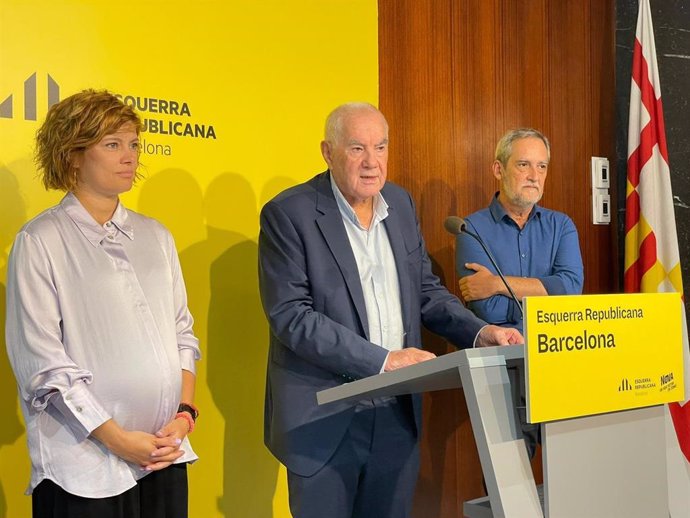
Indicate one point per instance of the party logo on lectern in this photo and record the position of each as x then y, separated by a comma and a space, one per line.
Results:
667, 382
579, 348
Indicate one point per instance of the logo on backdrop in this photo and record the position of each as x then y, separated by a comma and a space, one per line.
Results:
160, 117
30, 98
167, 118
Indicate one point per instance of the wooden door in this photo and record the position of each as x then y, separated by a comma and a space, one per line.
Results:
454, 76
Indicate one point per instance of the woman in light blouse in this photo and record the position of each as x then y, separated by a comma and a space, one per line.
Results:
98, 330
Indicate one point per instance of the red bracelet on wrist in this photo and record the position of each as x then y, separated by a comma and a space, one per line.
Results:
190, 409
188, 418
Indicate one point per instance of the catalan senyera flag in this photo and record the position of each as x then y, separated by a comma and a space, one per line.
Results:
652, 260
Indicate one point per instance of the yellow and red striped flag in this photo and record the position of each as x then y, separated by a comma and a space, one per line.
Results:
652, 260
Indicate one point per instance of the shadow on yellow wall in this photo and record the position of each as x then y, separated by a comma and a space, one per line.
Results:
216, 233
13, 216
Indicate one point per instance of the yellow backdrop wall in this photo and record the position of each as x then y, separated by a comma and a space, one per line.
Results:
234, 94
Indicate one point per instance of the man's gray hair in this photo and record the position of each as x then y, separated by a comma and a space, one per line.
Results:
334, 121
504, 148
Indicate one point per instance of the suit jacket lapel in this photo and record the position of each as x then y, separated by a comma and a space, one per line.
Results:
333, 230
400, 253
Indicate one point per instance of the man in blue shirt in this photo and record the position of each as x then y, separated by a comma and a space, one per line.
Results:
537, 249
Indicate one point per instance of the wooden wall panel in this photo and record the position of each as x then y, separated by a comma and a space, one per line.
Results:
454, 76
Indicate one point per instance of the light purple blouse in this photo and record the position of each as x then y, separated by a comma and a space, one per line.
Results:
97, 328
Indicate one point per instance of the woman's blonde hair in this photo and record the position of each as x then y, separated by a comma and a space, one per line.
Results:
72, 125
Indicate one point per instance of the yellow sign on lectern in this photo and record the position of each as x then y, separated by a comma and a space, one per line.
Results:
591, 354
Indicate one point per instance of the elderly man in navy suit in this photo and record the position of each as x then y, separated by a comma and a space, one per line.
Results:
346, 284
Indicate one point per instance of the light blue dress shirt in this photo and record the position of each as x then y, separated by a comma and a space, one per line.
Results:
377, 272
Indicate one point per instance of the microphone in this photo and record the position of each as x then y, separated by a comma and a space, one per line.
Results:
456, 225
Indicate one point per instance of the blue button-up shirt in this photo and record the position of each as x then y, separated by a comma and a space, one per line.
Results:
546, 248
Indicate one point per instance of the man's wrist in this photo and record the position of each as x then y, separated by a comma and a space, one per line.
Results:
477, 339
385, 361
501, 288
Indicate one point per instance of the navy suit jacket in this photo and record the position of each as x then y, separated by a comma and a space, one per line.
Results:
312, 297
